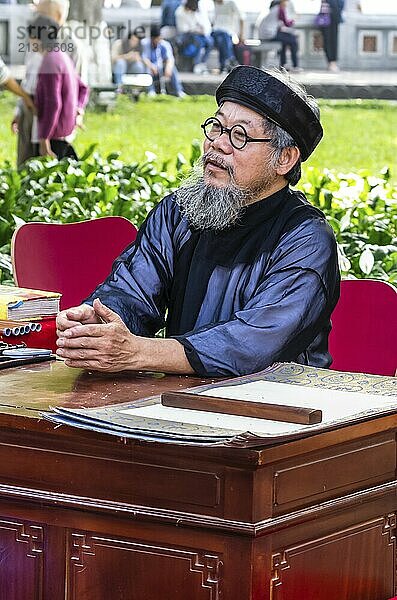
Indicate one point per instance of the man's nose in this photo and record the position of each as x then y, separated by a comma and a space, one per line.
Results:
222, 143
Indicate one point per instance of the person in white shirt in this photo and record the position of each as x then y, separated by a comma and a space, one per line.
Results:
158, 56
127, 55
13, 86
194, 34
227, 30
277, 26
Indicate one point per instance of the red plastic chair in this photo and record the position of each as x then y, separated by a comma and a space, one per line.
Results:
71, 258
364, 328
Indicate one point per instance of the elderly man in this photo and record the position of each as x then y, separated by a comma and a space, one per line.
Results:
240, 269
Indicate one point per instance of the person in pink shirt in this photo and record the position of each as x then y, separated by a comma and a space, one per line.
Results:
60, 95
275, 25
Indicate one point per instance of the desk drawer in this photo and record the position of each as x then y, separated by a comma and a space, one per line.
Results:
316, 477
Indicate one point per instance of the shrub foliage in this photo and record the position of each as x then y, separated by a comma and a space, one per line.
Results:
361, 208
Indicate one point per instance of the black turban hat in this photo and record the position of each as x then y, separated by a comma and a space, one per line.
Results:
270, 97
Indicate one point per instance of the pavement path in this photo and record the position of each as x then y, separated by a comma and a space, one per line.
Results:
321, 84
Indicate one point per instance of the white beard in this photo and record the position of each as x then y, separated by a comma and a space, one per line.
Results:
209, 207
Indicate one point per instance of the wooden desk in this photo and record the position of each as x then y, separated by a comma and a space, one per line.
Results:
88, 516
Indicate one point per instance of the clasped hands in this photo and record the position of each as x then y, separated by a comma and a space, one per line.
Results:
95, 337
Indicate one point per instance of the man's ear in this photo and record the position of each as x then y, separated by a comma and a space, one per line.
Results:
288, 158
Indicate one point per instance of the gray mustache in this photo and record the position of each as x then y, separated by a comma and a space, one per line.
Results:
217, 160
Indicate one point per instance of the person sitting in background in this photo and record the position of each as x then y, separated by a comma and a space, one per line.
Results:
194, 34
13, 86
227, 31
158, 56
276, 26
60, 93
168, 23
127, 55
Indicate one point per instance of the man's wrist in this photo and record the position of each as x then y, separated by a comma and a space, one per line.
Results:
159, 354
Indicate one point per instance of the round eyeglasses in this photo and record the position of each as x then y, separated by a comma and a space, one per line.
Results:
239, 138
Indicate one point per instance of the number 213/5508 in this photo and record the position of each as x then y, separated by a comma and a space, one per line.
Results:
36, 47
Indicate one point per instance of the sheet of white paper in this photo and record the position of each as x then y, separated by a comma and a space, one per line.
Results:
337, 406
199, 417
335, 403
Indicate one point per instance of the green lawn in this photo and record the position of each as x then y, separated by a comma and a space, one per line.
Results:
358, 134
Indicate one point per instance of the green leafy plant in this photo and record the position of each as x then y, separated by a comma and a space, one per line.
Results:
360, 207
362, 210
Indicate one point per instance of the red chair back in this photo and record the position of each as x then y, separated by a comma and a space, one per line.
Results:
71, 258
364, 328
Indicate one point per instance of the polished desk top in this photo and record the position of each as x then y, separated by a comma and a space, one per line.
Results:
27, 390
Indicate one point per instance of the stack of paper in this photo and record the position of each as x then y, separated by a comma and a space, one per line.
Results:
22, 303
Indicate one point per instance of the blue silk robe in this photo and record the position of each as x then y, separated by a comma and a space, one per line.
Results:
238, 300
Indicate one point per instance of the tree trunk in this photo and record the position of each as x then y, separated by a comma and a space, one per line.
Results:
86, 11
85, 19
